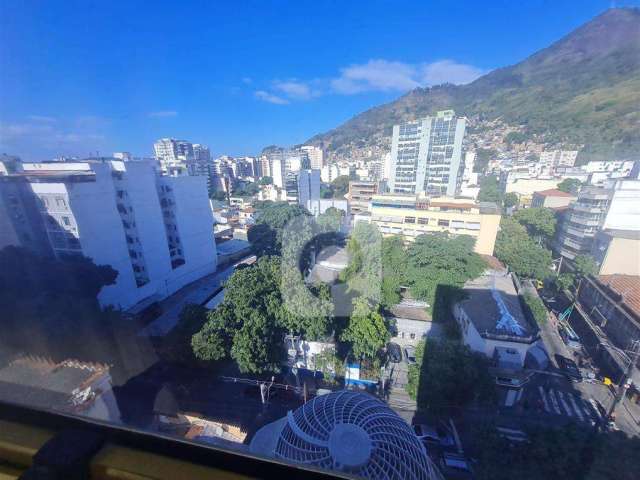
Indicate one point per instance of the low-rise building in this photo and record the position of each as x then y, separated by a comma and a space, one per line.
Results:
492, 321
413, 215
611, 306
360, 195
552, 198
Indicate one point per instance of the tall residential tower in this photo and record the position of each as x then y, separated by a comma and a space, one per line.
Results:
426, 155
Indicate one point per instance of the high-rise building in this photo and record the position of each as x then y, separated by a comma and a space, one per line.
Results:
316, 156
308, 187
156, 231
426, 155
173, 155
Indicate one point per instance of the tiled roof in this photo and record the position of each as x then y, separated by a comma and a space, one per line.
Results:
554, 192
627, 286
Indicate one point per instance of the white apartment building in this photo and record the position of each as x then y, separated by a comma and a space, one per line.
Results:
156, 231
316, 156
173, 154
329, 173
559, 158
426, 155
613, 208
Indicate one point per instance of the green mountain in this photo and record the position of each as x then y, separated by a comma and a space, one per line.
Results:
583, 89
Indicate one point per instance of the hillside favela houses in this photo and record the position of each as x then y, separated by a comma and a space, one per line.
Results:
155, 230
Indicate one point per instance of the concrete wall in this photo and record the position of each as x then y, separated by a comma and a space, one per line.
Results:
194, 220
617, 255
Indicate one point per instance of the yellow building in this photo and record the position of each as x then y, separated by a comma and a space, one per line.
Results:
411, 215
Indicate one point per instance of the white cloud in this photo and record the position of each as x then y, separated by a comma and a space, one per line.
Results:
163, 114
295, 89
41, 118
375, 75
449, 71
270, 97
247, 80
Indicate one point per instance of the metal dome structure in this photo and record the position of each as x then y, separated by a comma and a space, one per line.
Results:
350, 432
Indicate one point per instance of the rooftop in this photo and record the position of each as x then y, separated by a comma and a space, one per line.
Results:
627, 286
554, 192
493, 306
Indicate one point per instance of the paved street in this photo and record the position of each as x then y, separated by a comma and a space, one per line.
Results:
197, 292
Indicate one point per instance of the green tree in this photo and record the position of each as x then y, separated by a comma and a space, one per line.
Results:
570, 185
266, 181
364, 272
250, 324
490, 190
326, 191
511, 199
438, 260
245, 190
218, 195
394, 266
539, 222
585, 265
515, 137
271, 217
366, 332
448, 374
483, 156
247, 325
534, 308
516, 249
565, 281
340, 186
331, 219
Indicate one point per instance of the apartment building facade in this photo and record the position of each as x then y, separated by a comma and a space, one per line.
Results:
361, 193
156, 231
426, 155
613, 208
413, 215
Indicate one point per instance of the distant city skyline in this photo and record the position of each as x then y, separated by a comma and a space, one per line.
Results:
79, 79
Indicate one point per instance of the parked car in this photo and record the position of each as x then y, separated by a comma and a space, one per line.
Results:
394, 352
569, 368
410, 354
434, 436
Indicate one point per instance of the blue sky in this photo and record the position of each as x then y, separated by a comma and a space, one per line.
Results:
83, 76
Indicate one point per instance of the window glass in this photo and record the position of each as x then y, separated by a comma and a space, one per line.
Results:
214, 227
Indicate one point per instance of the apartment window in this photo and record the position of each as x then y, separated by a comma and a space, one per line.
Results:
443, 223
457, 224
423, 221
66, 221
409, 219
473, 225
60, 202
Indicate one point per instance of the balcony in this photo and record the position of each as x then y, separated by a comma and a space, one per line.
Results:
588, 222
578, 207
